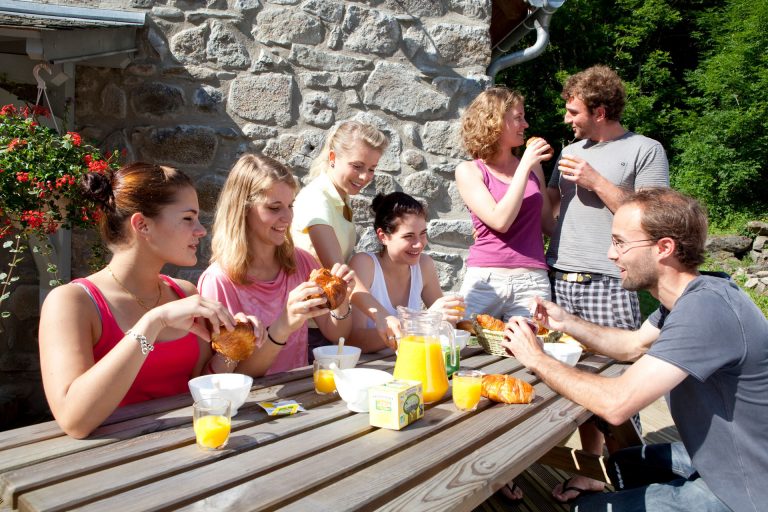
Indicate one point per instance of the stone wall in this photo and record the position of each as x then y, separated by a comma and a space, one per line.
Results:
216, 78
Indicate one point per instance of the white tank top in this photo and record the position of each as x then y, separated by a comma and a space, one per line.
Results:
379, 288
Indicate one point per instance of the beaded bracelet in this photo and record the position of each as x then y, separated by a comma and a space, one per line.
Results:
345, 315
273, 340
146, 346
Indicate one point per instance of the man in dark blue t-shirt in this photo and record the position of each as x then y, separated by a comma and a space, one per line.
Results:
706, 348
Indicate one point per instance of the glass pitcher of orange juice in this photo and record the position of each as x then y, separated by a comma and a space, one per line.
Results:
419, 352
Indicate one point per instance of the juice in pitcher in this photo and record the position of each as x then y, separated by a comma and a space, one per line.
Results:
421, 358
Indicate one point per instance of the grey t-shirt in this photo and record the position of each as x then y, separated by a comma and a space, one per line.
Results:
583, 233
717, 335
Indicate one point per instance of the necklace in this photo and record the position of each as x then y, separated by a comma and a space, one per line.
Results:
126, 290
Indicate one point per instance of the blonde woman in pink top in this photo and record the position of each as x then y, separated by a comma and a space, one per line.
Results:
256, 269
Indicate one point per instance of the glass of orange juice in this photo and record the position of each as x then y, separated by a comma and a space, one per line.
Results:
466, 389
211, 418
323, 376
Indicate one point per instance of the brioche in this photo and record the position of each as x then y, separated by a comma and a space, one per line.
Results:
507, 389
237, 344
334, 288
490, 323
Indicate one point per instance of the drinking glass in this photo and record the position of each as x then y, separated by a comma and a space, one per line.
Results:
212, 422
467, 385
323, 376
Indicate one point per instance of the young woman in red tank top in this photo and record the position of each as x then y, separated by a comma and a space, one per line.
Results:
126, 333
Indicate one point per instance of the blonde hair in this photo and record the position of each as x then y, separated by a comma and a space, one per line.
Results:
483, 121
343, 139
248, 182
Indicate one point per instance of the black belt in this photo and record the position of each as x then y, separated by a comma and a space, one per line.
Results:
575, 277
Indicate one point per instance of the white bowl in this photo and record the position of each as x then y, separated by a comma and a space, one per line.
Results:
462, 338
347, 359
563, 352
232, 386
354, 384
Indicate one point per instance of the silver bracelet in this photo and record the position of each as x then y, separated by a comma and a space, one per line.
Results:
146, 347
345, 315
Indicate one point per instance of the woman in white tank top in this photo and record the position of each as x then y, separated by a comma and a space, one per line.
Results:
400, 274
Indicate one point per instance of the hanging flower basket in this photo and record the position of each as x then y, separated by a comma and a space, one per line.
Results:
40, 173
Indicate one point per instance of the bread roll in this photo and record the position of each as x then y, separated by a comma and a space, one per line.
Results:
533, 139
466, 325
507, 389
237, 344
334, 288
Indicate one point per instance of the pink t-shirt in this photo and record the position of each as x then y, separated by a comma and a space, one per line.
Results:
522, 246
265, 300
165, 371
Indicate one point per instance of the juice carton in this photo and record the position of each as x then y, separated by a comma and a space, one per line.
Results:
396, 404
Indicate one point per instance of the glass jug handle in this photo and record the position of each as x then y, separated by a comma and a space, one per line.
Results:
446, 330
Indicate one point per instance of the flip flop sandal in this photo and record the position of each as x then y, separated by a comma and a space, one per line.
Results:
578, 490
506, 499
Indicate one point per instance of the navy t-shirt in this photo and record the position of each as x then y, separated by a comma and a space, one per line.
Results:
719, 337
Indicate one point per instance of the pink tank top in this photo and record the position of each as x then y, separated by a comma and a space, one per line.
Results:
522, 246
166, 370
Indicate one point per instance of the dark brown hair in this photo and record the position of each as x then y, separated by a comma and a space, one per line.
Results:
135, 188
598, 86
670, 214
389, 209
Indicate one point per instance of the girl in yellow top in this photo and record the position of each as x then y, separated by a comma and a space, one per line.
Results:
322, 221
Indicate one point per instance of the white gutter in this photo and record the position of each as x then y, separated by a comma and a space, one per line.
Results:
62, 12
538, 20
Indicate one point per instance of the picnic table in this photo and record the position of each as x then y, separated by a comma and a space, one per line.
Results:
327, 458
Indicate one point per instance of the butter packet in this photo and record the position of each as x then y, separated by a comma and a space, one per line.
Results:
282, 407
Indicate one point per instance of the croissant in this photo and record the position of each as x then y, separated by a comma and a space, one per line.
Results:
334, 288
237, 344
490, 323
507, 389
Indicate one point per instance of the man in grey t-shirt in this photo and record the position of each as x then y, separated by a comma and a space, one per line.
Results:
706, 349
592, 177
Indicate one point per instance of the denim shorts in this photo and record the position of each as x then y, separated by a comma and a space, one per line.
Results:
503, 296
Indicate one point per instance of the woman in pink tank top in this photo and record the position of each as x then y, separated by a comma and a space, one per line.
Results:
126, 333
509, 207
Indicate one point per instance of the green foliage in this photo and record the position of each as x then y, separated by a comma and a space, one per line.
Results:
721, 151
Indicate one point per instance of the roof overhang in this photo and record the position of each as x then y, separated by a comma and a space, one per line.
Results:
61, 34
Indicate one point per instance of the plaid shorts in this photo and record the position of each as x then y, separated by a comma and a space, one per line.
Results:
601, 301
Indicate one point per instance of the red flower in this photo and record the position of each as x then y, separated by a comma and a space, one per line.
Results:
22, 177
16, 142
76, 139
40, 110
99, 166
8, 110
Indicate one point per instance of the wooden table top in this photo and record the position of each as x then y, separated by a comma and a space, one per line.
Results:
327, 458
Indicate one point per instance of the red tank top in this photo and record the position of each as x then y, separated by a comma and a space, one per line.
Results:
166, 370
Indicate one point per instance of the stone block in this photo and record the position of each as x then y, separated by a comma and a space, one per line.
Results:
442, 138
208, 189
298, 148
288, 26
247, 6
205, 15
225, 47
113, 101
318, 109
207, 97
414, 159
312, 58
397, 89
424, 184
188, 46
460, 45
367, 241
351, 99
734, 244
452, 233
263, 98
168, 13
256, 131
326, 10
758, 227
370, 31
478, 9
156, 99
353, 79
416, 8
751, 282
268, 61
318, 79
142, 4
361, 209
759, 243
183, 146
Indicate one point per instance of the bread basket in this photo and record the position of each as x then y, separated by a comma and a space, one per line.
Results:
490, 340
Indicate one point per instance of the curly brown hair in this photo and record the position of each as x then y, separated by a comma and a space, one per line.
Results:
669, 214
598, 86
483, 121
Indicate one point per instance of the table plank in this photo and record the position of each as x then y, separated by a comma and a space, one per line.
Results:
461, 487
387, 479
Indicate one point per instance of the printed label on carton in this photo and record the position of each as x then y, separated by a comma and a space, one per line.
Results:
396, 404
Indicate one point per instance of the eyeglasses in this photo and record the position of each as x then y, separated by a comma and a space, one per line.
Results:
619, 245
